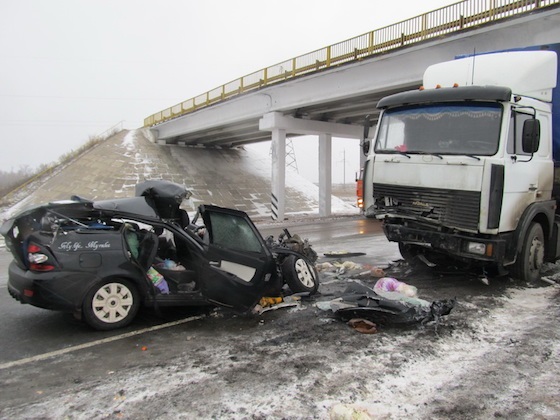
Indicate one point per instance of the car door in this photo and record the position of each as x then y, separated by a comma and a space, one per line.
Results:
239, 266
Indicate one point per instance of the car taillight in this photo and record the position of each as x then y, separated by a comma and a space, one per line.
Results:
32, 248
37, 260
41, 267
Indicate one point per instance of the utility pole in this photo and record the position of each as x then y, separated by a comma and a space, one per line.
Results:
344, 166
291, 161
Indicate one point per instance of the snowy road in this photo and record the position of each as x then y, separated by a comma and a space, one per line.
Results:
496, 355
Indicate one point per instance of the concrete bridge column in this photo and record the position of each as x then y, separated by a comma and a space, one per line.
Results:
279, 125
278, 199
325, 174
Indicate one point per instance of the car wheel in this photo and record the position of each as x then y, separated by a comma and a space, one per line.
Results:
529, 261
300, 275
111, 304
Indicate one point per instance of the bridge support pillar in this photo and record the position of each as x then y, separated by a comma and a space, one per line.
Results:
278, 200
152, 135
325, 174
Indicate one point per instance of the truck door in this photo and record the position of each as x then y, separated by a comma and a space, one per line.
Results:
528, 178
240, 266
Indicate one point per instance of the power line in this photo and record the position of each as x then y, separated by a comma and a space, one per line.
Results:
84, 97
53, 123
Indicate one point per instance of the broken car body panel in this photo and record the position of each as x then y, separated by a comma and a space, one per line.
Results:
360, 301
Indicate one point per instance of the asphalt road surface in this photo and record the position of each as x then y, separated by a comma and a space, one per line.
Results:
34, 331
496, 355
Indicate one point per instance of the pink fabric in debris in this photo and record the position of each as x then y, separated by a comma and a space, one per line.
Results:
390, 284
387, 284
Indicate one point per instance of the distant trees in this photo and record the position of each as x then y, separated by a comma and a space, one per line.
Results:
13, 179
9, 181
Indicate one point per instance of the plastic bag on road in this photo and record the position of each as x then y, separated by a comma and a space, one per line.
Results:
360, 301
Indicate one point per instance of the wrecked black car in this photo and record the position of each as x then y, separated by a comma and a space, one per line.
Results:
102, 260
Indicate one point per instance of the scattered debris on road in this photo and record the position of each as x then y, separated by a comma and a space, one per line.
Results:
363, 326
350, 269
389, 308
343, 254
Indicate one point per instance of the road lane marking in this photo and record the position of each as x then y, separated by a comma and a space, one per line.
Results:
48, 355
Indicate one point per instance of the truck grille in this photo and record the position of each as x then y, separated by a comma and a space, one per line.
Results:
450, 208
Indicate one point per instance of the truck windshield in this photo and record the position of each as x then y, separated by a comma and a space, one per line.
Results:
449, 129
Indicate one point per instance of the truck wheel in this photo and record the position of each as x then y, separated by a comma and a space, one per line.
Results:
409, 252
111, 304
529, 261
300, 275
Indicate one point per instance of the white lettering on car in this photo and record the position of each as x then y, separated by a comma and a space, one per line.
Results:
95, 245
77, 246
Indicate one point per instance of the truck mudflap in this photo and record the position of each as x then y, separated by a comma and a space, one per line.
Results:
452, 244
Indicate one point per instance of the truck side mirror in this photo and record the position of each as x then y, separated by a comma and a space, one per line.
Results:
365, 147
366, 126
365, 141
531, 135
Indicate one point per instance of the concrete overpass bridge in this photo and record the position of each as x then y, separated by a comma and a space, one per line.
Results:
328, 92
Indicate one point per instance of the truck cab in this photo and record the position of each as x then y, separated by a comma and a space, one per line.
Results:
464, 167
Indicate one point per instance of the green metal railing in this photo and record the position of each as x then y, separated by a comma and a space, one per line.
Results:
453, 18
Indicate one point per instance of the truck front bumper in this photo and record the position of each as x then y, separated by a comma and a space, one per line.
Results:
460, 246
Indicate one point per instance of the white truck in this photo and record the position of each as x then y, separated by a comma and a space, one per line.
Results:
468, 166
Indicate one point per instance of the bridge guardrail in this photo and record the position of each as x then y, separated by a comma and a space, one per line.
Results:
453, 18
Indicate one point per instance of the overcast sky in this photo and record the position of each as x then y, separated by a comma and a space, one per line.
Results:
71, 69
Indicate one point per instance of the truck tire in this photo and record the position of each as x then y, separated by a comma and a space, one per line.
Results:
413, 254
409, 252
529, 261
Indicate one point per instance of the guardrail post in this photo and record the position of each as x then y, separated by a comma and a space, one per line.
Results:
329, 56
370, 42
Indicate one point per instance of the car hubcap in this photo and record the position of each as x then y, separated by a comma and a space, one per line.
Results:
112, 302
304, 273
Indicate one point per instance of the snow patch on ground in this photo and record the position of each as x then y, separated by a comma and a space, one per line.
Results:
269, 374
261, 167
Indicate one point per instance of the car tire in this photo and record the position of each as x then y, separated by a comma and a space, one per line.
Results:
300, 275
111, 304
529, 261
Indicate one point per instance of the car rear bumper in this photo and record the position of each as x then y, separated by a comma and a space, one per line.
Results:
43, 290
